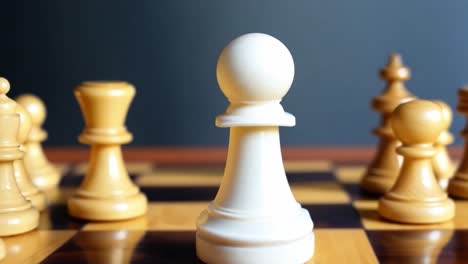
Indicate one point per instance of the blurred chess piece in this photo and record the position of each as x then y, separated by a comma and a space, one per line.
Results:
17, 215
442, 164
23, 180
254, 217
416, 197
458, 185
107, 192
383, 170
43, 174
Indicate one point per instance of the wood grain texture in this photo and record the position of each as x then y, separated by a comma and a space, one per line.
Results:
217, 155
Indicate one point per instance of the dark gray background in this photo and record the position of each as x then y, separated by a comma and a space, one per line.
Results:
168, 50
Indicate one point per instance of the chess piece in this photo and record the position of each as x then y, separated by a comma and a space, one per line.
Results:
417, 197
384, 169
106, 193
442, 164
43, 174
254, 217
27, 188
17, 215
458, 185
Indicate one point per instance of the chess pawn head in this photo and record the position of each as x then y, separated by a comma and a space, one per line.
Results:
254, 72
418, 122
255, 67
35, 108
104, 106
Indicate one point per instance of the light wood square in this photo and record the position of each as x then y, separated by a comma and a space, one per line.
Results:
342, 246
161, 216
182, 177
308, 165
133, 167
35, 246
350, 174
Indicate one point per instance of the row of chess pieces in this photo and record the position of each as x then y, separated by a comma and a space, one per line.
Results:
25, 172
254, 217
416, 184
254, 72
28, 180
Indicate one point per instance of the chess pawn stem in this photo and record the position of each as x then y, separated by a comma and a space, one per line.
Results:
255, 202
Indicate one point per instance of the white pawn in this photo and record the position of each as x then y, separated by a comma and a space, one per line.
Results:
255, 217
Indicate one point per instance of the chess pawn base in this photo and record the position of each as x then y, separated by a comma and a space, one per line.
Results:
378, 181
458, 186
263, 241
401, 210
17, 222
108, 209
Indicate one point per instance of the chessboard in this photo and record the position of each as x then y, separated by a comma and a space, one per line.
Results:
347, 226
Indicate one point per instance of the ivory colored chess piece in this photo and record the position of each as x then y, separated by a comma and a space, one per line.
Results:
17, 215
442, 164
416, 197
43, 174
106, 193
23, 180
254, 217
384, 169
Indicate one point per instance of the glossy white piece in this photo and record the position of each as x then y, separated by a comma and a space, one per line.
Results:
254, 217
